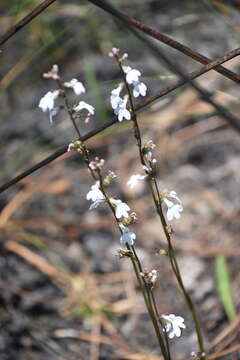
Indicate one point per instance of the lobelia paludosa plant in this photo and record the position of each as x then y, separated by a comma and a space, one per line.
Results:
166, 326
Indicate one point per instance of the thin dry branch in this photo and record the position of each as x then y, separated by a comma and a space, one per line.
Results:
57, 276
127, 20
27, 19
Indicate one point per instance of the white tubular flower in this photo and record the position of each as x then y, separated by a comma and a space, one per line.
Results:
76, 85
173, 325
82, 105
121, 111
174, 211
95, 193
127, 237
119, 104
132, 78
174, 205
132, 75
46, 103
121, 208
134, 180
139, 89
115, 99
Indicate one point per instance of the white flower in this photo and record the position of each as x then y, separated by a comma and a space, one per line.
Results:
115, 99
173, 325
134, 179
82, 105
121, 111
95, 193
139, 89
76, 85
174, 205
121, 208
174, 212
132, 75
46, 103
132, 78
119, 104
127, 237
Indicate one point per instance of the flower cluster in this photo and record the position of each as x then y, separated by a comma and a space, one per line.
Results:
173, 325
96, 164
118, 103
47, 102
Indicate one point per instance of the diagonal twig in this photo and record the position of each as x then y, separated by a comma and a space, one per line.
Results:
27, 19
205, 95
163, 38
188, 78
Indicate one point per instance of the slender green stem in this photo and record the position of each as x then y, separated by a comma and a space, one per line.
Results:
157, 201
152, 309
162, 325
148, 301
68, 107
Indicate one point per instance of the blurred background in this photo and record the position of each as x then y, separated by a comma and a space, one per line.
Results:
65, 294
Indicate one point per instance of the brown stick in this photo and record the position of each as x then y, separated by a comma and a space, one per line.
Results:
164, 38
27, 19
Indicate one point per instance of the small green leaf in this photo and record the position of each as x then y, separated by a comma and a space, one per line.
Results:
224, 286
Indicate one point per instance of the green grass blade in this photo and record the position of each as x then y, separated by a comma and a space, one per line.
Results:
224, 286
